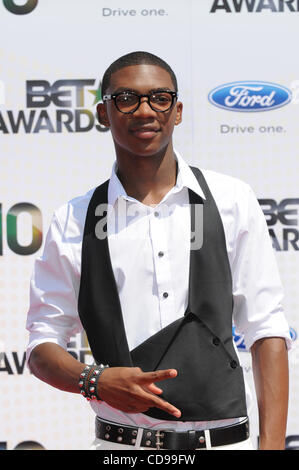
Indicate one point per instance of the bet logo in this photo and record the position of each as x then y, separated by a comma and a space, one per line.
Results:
28, 7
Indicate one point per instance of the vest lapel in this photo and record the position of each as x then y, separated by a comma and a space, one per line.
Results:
210, 282
101, 315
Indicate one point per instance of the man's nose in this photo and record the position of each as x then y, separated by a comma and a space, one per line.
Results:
144, 107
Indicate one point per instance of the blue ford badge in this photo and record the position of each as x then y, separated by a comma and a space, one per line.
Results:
293, 334
250, 96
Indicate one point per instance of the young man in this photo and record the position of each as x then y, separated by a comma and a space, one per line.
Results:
156, 307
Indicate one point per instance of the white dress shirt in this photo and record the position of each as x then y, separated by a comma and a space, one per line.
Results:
150, 257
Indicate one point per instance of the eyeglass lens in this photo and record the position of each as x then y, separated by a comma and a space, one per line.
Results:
129, 102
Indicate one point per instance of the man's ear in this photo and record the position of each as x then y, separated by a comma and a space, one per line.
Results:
179, 113
102, 115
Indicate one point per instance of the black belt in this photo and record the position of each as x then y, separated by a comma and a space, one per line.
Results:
172, 440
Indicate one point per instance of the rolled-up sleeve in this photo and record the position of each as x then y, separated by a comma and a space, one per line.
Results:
52, 315
257, 288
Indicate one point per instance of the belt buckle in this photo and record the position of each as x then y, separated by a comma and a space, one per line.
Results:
159, 435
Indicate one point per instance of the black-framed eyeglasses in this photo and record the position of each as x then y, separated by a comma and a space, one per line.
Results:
127, 102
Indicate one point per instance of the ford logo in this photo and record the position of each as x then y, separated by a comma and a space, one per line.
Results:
250, 96
293, 334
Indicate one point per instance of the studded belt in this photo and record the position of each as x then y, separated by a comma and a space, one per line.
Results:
172, 440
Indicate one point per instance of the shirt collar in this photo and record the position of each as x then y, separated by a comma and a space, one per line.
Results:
115, 188
185, 179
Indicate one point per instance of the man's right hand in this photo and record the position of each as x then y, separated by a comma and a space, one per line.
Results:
125, 388
131, 390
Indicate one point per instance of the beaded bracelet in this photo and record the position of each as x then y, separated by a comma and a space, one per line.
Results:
88, 382
93, 381
83, 381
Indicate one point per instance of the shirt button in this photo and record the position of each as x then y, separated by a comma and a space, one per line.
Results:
161, 253
165, 295
156, 214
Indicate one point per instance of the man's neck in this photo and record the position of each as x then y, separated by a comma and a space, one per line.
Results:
148, 179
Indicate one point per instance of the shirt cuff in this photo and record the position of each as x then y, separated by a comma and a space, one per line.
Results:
251, 339
35, 342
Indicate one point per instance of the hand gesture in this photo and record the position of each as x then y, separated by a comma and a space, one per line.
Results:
131, 390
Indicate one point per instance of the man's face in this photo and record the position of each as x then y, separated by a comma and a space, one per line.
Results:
145, 132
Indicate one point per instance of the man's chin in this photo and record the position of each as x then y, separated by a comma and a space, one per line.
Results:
149, 152
143, 148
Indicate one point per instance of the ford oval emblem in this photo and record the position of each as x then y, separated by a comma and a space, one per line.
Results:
293, 334
251, 96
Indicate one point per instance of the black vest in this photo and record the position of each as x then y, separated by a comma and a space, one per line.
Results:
199, 345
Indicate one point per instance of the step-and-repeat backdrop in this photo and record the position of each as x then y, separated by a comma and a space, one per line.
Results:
239, 81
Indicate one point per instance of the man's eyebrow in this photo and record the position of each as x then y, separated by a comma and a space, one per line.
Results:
127, 89
123, 89
157, 90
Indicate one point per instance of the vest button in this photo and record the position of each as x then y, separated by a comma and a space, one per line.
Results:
233, 364
216, 341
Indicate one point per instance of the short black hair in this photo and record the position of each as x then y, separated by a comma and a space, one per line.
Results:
136, 58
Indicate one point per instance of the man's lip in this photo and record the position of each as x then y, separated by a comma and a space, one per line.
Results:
145, 132
144, 129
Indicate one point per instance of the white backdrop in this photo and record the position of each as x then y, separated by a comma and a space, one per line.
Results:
52, 56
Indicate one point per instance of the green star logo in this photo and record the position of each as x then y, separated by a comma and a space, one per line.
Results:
97, 94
